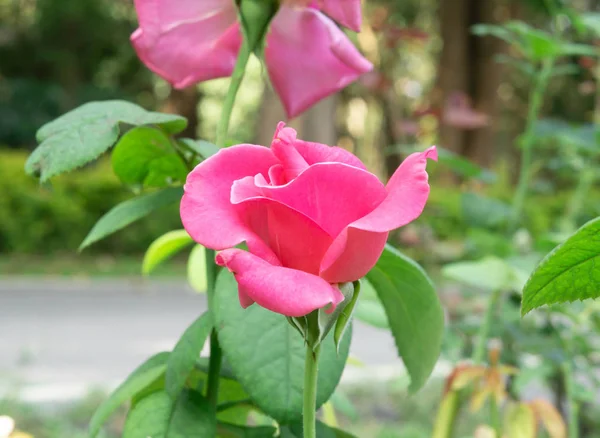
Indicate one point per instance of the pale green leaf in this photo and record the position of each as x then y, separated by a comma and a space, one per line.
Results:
196, 269
164, 248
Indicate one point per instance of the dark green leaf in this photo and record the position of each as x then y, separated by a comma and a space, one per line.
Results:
130, 211
82, 135
225, 430
296, 430
186, 352
414, 312
267, 354
203, 148
157, 416
163, 248
145, 375
144, 156
570, 272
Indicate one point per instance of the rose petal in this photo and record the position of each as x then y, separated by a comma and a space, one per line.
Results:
316, 152
352, 254
333, 195
308, 58
345, 12
408, 190
282, 290
206, 211
356, 250
295, 239
187, 41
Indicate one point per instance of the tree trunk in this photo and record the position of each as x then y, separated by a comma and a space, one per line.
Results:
468, 65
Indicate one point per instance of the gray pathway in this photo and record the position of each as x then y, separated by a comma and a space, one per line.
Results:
61, 337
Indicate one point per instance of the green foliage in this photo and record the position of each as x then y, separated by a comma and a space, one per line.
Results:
186, 352
83, 134
130, 211
267, 355
568, 273
164, 248
45, 219
157, 416
200, 147
414, 312
136, 382
145, 157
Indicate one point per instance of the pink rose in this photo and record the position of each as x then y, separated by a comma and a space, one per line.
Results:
311, 215
308, 56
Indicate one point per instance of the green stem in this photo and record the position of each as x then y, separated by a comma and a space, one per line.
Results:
216, 354
484, 330
572, 405
536, 98
311, 368
234, 86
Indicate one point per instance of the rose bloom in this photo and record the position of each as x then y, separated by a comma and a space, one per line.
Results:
311, 216
307, 56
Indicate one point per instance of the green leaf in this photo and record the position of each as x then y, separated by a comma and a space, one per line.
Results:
156, 416
186, 352
267, 354
225, 430
414, 312
345, 315
369, 308
296, 430
196, 269
145, 375
164, 248
570, 272
130, 211
145, 156
201, 147
489, 273
82, 135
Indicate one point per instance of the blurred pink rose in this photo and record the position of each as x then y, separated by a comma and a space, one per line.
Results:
308, 56
311, 215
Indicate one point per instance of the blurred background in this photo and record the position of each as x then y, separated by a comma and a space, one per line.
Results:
72, 325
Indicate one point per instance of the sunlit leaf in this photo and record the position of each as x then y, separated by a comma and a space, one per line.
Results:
569, 273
